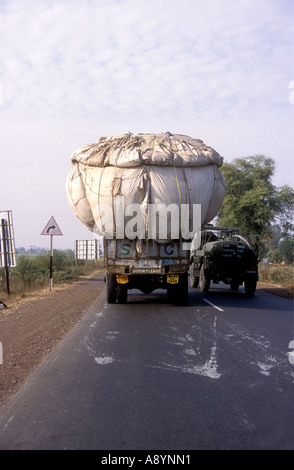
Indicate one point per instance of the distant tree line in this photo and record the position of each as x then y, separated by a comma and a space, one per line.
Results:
35, 250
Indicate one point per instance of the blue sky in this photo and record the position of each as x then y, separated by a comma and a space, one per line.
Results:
72, 71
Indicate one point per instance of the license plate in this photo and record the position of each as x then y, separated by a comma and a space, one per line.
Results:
146, 270
172, 279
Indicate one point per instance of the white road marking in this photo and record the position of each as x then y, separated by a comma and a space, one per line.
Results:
7, 423
215, 306
104, 360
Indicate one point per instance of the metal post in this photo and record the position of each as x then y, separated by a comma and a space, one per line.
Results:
97, 249
5, 256
76, 252
51, 261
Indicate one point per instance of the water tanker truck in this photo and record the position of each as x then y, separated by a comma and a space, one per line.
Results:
224, 256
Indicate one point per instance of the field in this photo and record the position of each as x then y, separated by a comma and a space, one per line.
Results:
32, 273
278, 275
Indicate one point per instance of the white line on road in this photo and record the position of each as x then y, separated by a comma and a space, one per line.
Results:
215, 306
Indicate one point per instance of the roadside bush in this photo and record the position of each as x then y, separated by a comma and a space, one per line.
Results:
32, 272
276, 274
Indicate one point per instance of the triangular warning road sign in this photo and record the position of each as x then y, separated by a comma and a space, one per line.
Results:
52, 228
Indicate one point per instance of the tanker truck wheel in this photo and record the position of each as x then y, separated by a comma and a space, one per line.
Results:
234, 286
111, 287
204, 281
194, 281
250, 287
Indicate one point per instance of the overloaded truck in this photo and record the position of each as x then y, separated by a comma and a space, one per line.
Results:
146, 195
224, 256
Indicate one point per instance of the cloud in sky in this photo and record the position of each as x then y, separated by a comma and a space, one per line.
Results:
72, 71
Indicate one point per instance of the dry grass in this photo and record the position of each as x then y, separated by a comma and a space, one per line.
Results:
35, 284
278, 276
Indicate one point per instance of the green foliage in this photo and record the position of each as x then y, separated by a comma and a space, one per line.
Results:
286, 250
284, 204
258, 208
32, 272
249, 203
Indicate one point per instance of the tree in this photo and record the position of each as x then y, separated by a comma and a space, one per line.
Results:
286, 249
255, 206
252, 202
284, 203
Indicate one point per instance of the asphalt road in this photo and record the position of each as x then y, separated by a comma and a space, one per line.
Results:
149, 375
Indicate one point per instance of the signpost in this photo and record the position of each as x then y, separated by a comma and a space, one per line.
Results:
51, 229
7, 245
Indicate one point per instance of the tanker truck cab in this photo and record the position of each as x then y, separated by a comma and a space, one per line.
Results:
146, 265
224, 256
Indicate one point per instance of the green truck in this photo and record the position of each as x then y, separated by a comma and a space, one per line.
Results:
224, 256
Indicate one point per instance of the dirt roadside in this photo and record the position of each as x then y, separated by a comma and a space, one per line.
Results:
31, 328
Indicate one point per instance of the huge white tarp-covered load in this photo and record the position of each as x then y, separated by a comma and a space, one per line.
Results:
146, 169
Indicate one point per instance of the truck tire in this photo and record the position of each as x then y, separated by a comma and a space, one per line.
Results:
111, 287
250, 287
194, 280
234, 286
122, 294
204, 281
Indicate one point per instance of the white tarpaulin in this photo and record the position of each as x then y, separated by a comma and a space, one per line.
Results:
145, 169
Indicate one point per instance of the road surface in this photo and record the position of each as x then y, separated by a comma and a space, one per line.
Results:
152, 376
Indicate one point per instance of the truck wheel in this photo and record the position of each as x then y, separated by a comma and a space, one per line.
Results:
194, 281
204, 281
111, 288
122, 294
234, 286
250, 287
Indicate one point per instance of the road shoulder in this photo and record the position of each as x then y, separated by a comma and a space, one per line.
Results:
31, 330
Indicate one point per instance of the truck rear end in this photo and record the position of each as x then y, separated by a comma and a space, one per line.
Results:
225, 256
146, 265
